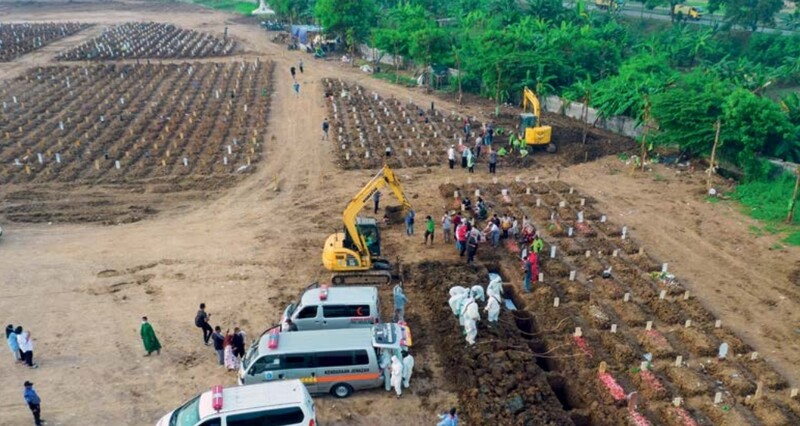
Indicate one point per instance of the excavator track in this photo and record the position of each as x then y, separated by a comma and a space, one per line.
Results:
374, 277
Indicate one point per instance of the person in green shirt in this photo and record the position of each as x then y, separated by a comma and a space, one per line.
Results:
149, 339
537, 245
428, 229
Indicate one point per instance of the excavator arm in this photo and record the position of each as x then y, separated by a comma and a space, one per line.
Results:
383, 178
531, 101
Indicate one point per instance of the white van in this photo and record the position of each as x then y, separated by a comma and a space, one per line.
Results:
275, 404
323, 307
326, 361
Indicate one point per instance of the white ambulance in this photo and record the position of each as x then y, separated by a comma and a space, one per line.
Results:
284, 403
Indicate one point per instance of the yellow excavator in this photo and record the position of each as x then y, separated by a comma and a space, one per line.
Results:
530, 128
354, 255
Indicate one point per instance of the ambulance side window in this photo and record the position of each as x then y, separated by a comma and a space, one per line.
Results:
212, 422
271, 362
308, 312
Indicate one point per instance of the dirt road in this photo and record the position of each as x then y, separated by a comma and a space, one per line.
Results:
81, 289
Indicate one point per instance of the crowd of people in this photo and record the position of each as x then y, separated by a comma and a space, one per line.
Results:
484, 136
20, 343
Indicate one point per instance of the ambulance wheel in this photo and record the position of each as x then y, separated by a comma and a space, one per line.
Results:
341, 390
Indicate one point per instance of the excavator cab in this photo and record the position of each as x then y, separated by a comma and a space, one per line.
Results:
368, 228
530, 128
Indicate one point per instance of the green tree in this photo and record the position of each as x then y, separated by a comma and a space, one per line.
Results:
293, 10
748, 13
349, 19
754, 125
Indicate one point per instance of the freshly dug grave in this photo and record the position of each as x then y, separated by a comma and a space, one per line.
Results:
498, 380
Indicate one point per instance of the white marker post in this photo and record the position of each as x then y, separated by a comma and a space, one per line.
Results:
552, 252
572, 275
556, 302
649, 326
626, 297
678, 360
662, 295
614, 328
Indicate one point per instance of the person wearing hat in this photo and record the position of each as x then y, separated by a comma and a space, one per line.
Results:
34, 402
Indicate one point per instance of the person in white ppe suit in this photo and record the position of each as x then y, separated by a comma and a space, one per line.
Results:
471, 317
477, 293
408, 368
466, 301
397, 376
457, 290
493, 309
496, 286
386, 364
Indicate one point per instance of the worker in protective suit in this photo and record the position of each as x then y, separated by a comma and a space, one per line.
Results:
408, 368
462, 310
493, 309
496, 287
397, 375
477, 293
471, 318
400, 301
456, 300
386, 364
457, 290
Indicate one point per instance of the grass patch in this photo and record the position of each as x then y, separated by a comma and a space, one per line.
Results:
240, 7
793, 239
396, 78
712, 199
768, 201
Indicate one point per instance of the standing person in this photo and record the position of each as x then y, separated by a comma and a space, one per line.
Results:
531, 267
237, 342
201, 321
492, 161
410, 222
448, 419
219, 344
489, 134
461, 238
429, 227
451, 156
492, 308
408, 368
537, 245
492, 231
376, 199
478, 143
296, 87
33, 401
11, 338
471, 163
385, 365
466, 127
291, 70
447, 225
400, 301
471, 317
397, 376
325, 127
231, 362
465, 153
300, 65
472, 244
149, 338
25, 344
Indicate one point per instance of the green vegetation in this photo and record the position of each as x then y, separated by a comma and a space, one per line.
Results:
240, 7
680, 78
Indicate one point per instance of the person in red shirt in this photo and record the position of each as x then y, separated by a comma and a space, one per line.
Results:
461, 238
531, 267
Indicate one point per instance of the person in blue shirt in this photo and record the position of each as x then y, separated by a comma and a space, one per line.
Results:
448, 419
34, 403
410, 222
